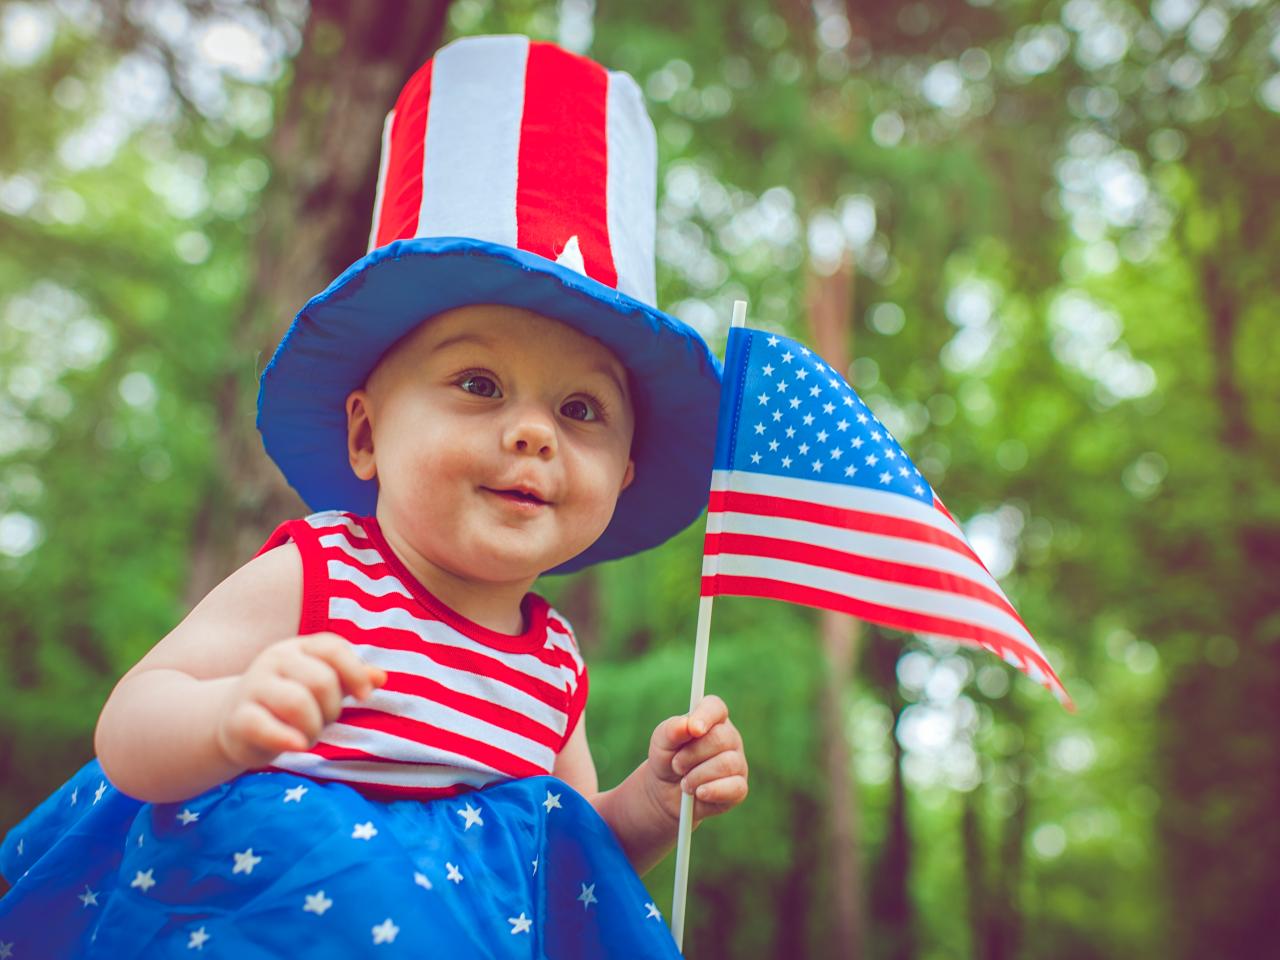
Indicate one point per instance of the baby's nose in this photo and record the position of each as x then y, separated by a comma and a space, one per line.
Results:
533, 435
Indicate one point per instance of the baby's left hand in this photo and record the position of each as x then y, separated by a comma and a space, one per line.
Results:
701, 750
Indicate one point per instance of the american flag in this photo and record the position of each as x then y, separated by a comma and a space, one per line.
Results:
814, 502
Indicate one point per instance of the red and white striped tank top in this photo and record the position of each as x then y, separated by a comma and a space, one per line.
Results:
463, 705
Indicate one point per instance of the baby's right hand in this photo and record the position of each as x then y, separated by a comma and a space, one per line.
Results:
289, 693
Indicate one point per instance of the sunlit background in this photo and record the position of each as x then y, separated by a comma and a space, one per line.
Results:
1044, 232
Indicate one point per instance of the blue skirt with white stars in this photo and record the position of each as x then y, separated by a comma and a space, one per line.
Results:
275, 865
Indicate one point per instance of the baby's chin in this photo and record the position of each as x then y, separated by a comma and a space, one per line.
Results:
513, 560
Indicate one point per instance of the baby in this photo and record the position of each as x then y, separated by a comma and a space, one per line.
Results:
366, 736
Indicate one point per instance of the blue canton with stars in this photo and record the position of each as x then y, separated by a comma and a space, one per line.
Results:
786, 412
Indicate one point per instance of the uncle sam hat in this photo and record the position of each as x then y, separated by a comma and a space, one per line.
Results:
517, 173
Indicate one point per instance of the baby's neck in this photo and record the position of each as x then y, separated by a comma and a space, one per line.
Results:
495, 606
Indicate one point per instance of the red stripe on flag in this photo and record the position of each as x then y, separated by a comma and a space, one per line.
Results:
722, 585
562, 178
752, 545
843, 517
400, 206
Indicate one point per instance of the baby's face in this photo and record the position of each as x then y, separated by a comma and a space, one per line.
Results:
500, 439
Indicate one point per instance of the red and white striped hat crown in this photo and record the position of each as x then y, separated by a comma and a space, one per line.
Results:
512, 173
524, 144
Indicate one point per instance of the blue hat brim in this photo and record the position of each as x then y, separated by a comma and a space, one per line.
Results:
338, 337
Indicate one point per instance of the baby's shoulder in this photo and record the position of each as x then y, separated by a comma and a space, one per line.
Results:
265, 592
255, 606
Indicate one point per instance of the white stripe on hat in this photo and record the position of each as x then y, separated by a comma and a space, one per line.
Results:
473, 140
382, 179
631, 193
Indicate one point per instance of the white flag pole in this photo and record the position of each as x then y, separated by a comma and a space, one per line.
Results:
685, 832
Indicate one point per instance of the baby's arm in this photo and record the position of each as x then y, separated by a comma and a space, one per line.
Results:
228, 689
701, 752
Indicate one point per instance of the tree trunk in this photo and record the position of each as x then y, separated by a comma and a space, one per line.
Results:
795, 893
830, 310
975, 871
316, 212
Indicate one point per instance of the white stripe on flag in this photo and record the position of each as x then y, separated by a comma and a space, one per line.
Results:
919, 600
383, 160
873, 546
473, 140
837, 495
631, 192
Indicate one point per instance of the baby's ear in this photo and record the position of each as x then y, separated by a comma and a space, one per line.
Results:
360, 436
628, 476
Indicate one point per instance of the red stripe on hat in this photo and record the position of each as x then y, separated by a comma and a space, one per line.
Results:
562, 179
402, 198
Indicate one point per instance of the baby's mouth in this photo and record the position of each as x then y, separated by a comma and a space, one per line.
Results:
517, 496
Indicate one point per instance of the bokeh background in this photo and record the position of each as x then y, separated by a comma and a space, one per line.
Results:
1043, 237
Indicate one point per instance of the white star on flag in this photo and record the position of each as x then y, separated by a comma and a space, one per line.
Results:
571, 256
421, 880
187, 817
6, 950
89, 898
317, 903
520, 924
652, 913
198, 939
552, 802
472, 817
385, 932
73, 795
588, 895
143, 880
453, 872
245, 861
294, 794
364, 831
97, 794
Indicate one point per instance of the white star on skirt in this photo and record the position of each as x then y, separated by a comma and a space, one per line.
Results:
520, 924
472, 816
245, 861
385, 932
317, 903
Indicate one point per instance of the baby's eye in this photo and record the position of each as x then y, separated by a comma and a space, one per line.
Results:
480, 385
580, 409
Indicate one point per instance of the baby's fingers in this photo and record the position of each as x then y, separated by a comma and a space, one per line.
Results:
252, 735
709, 711
357, 677
719, 796
728, 764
